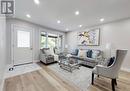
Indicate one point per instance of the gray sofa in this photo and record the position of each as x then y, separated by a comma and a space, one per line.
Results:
94, 58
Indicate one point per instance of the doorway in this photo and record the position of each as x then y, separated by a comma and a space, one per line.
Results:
22, 45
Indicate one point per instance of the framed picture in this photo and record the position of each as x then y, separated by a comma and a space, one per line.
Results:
89, 38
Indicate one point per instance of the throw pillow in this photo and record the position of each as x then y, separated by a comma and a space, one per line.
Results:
42, 50
75, 52
111, 61
52, 51
48, 52
82, 53
89, 53
95, 53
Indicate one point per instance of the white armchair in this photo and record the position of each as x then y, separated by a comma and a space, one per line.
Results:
47, 55
110, 71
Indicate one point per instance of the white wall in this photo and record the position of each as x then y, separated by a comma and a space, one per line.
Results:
2, 49
36, 37
117, 34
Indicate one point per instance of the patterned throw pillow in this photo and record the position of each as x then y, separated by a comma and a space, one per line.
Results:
82, 53
95, 53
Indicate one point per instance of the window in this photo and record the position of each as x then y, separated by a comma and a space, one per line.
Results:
49, 40
60, 41
23, 39
43, 40
52, 40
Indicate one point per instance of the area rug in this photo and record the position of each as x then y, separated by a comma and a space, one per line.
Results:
80, 77
22, 69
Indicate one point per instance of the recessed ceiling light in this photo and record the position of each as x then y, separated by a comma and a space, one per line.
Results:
27, 15
80, 25
58, 21
66, 29
102, 19
37, 1
77, 13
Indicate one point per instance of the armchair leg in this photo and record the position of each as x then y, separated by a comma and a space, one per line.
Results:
97, 75
113, 84
92, 78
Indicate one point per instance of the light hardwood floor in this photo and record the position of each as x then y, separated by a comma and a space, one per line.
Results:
46, 80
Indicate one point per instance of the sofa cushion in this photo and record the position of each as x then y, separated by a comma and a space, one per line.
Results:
89, 59
76, 57
47, 52
95, 53
89, 53
82, 53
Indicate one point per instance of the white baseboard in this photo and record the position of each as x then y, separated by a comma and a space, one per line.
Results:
11, 65
125, 69
35, 61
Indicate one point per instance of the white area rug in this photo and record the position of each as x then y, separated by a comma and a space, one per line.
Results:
22, 69
80, 77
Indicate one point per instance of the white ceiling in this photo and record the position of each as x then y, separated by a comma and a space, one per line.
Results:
49, 11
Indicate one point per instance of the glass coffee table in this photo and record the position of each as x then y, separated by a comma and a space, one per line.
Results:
70, 64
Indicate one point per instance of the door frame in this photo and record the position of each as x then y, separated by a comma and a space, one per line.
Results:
12, 41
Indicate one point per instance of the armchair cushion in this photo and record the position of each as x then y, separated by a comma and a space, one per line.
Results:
102, 70
49, 51
56, 57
